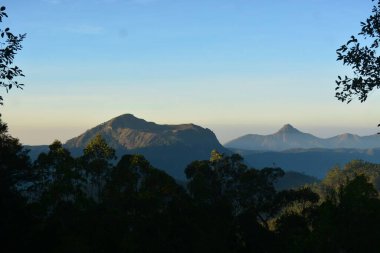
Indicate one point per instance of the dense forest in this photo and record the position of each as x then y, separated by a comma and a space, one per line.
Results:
98, 203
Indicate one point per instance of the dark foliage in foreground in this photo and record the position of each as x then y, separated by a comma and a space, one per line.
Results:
10, 45
361, 54
62, 204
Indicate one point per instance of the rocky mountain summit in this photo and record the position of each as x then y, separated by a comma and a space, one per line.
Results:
168, 147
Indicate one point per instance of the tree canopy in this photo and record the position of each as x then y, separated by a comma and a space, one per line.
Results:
9, 45
360, 53
93, 204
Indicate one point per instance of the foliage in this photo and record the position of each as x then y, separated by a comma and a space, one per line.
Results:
294, 180
336, 177
57, 180
245, 199
13, 157
226, 206
348, 220
229, 179
14, 169
361, 56
10, 44
96, 163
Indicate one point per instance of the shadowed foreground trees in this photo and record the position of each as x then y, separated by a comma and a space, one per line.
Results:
246, 199
14, 166
225, 207
348, 221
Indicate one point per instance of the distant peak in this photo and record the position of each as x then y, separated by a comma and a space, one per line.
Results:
287, 128
127, 121
126, 116
348, 135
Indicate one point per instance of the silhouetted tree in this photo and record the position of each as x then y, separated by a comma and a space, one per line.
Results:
14, 168
145, 208
9, 45
363, 59
348, 220
14, 159
96, 163
58, 179
235, 203
228, 179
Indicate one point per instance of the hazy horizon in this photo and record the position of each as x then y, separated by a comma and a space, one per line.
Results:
224, 132
236, 67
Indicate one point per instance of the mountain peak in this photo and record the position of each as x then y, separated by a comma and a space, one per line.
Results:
289, 129
289, 137
171, 147
129, 121
126, 116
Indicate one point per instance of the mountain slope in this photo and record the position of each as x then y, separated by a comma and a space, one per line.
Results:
168, 147
289, 137
313, 162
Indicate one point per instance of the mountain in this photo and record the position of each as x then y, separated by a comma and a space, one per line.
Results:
34, 151
129, 132
289, 137
294, 180
168, 147
314, 162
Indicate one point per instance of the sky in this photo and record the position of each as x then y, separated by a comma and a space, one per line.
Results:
234, 66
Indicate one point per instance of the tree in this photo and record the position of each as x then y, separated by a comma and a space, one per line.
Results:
140, 200
14, 159
236, 204
14, 166
96, 162
348, 220
362, 57
58, 180
9, 45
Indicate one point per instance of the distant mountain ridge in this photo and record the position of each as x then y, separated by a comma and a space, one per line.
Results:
168, 147
313, 162
173, 147
128, 132
289, 137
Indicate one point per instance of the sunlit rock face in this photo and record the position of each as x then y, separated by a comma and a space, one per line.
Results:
168, 147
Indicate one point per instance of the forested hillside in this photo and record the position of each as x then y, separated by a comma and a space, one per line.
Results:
133, 186
87, 204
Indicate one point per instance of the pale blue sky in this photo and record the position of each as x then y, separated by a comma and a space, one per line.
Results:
235, 66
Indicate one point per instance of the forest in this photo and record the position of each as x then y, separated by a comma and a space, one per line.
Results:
93, 204
98, 202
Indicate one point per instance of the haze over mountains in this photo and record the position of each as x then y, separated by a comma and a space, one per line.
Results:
314, 162
289, 137
173, 147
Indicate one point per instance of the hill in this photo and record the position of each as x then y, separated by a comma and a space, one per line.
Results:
294, 180
168, 147
313, 162
289, 137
